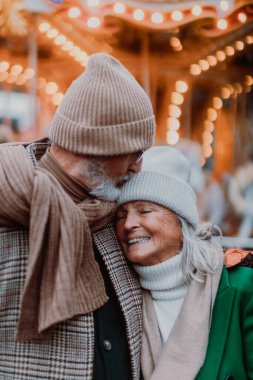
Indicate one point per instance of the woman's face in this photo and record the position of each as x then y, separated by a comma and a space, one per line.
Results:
148, 233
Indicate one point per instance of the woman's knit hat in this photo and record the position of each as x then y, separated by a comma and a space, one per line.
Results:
104, 112
164, 179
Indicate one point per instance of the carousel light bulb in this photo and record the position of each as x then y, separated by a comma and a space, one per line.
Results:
239, 45
74, 12
67, 46
242, 17
211, 114
119, 8
177, 98
21, 80
157, 18
181, 86
3, 76
172, 137
174, 111
41, 82
249, 39
217, 103
207, 150
204, 65
51, 88
221, 56
52, 33
195, 69
224, 5
4, 66
229, 50
173, 124
175, 42
57, 98
93, 3
238, 88
138, 15
44, 27
60, 40
225, 93
222, 24
177, 16
212, 60
93, 22
207, 137
16, 69
29, 73
249, 80
209, 125
196, 10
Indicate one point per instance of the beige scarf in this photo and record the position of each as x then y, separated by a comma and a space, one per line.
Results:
184, 352
63, 278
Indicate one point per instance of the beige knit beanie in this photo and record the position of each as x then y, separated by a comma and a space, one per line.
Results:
164, 179
104, 112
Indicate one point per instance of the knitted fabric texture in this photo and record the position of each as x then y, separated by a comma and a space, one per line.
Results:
164, 179
62, 279
104, 112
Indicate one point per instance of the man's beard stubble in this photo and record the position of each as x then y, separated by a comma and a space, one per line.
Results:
105, 187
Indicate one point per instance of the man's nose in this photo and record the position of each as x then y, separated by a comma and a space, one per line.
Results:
135, 167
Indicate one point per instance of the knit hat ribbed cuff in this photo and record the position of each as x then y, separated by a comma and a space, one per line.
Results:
102, 140
164, 190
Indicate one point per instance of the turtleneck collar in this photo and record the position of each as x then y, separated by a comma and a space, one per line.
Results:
75, 189
164, 280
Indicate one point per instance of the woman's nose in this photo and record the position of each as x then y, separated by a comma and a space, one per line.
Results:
131, 222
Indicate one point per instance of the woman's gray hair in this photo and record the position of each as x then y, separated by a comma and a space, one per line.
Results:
201, 250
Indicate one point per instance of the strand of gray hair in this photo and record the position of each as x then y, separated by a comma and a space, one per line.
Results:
201, 250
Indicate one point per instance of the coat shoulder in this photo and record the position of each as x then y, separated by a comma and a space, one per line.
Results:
241, 279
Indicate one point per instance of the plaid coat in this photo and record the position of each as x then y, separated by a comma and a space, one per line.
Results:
68, 354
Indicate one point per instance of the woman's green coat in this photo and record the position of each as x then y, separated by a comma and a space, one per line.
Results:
230, 348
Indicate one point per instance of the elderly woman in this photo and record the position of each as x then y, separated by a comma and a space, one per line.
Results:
197, 315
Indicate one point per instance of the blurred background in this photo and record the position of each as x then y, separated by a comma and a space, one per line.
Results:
193, 58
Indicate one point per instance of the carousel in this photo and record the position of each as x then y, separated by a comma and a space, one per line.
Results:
193, 58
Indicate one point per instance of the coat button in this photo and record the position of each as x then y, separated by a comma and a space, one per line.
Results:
230, 377
107, 345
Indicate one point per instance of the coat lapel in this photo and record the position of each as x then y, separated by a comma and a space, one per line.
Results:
223, 308
127, 288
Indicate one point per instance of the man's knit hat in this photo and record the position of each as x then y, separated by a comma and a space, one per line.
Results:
164, 179
104, 112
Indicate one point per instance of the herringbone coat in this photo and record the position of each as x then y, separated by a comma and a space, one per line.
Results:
68, 354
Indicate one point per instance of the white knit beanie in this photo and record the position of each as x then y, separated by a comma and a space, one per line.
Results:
164, 179
104, 112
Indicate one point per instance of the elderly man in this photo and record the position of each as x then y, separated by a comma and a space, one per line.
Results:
70, 305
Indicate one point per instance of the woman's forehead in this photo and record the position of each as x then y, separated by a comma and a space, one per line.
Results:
138, 203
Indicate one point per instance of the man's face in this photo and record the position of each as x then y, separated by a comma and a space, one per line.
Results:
107, 174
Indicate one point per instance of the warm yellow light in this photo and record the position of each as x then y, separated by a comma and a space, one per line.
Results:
173, 124
221, 56
41, 82
195, 69
57, 98
60, 40
229, 50
207, 137
74, 51
225, 93
157, 18
239, 45
4, 66
74, 12
217, 103
212, 60
222, 24
93, 3
138, 15
44, 27
93, 22
21, 80
249, 39
249, 80
196, 10
52, 33
172, 137
174, 111
238, 87
3, 76
212, 114
207, 150
16, 69
82, 56
224, 5
119, 8
242, 17
29, 73
181, 86
209, 126
51, 88
67, 46
204, 65
177, 98
175, 42
177, 16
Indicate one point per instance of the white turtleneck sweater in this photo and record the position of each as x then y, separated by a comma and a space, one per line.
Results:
168, 289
